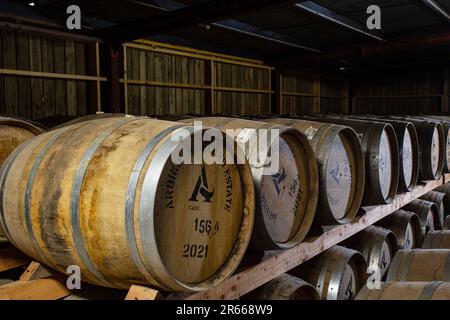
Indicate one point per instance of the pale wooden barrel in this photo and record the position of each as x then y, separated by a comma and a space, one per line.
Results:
286, 202
89, 117
145, 219
379, 144
431, 147
284, 287
428, 214
337, 274
377, 245
406, 227
437, 240
341, 168
435, 290
441, 201
445, 188
420, 265
408, 146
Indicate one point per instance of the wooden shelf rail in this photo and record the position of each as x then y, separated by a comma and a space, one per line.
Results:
278, 262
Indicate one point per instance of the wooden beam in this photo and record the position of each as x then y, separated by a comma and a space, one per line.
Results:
276, 85
138, 292
278, 262
317, 95
50, 75
34, 271
41, 289
112, 94
204, 12
209, 81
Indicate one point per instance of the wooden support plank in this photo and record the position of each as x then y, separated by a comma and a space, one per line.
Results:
71, 85
278, 262
23, 63
209, 81
138, 292
40, 289
317, 95
49, 84
9, 60
59, 65
11, 258
34, 271
80, 67
191, 80
92, 68
113, 95
176, 63
37, 86
185, 79
143, 76
277, 96
158, 91
151, 110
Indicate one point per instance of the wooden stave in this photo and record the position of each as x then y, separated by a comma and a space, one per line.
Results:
400, 127
317, 271
437, 240
421, 208
435, 266
284, 287
425, 130
441, 201
261, 240
369, 242
435, 290
398, 221
173, 284
89, 117
370, 132
321, 142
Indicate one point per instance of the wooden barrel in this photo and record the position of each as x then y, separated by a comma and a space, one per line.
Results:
377, 245
428, 214
435, 290
143, 214
379, 144
285, 287
441, 201
89, 117
408, 145
446, 225
341, 168
420, 265
445, 122
431, 147
406, 227
437, 240
286, 201
337, 274
445, 188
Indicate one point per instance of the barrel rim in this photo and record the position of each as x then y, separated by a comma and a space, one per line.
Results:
148, 238
415, 156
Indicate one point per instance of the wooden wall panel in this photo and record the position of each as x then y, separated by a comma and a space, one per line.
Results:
35, 97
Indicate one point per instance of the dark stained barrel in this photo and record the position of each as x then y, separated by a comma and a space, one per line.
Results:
337, 274
406, 227
341, 168
379, 144
408, 145
431, 147
428, 214
445, 121
420, 265
286, 201
284, 287
377, 245
434, 290
441, 201
445, 188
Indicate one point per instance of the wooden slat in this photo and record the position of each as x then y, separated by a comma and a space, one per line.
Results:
9, 60
71, 85
34, 271
37, 87
40, 289
59, 65
143, 76
2, 79
49, 84
80, 68
23, 63
279, 262
137, 292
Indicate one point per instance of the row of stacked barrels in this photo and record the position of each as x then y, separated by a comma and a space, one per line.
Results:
404, 256
106, 188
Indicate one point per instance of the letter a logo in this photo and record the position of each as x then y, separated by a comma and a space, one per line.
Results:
278, 180
202, 187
